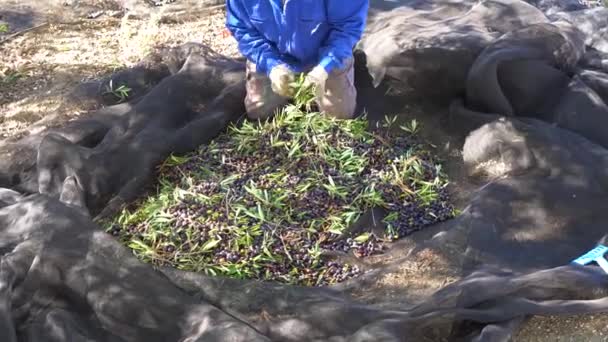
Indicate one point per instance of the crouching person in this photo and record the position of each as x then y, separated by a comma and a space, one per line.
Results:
282, 38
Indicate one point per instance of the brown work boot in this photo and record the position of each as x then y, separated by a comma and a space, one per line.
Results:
261, 101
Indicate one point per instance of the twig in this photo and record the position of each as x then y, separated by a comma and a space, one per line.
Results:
18, 33
169, 15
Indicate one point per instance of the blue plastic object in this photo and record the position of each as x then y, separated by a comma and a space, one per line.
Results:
595, 255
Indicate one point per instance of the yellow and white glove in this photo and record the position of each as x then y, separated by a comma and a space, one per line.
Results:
317, 78
281, 78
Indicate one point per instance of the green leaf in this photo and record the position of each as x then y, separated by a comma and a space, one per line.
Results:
141, 247
261, 213
209, 245
331, 181
362, 238
391, 217
229, 180
295, 148
174, 160
336, 231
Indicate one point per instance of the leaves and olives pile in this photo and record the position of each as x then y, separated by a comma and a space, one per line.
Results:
266, 199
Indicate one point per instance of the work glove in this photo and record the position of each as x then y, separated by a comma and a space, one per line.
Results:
281, 78
316, 79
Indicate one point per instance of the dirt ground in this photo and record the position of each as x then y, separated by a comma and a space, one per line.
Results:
40, 67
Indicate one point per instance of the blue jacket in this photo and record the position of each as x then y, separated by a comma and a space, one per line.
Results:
300, 33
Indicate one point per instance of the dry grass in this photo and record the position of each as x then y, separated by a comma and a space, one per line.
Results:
414, 280
40, 67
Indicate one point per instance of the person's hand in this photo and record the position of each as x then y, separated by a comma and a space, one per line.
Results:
316, 79
281, 78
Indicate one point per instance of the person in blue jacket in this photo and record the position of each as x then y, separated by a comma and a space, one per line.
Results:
282, 38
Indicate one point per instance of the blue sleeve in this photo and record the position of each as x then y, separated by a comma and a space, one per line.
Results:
346, 21
250, 42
